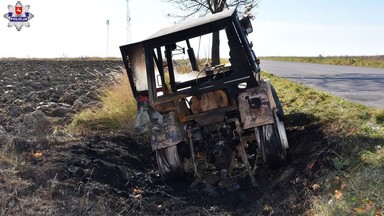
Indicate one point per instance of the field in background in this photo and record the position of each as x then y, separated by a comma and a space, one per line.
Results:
364, 61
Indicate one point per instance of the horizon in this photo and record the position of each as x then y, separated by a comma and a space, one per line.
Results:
118, 58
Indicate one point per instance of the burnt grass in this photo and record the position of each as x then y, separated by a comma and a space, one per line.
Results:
46, 171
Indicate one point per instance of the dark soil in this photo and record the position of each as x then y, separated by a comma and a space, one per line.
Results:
45, 171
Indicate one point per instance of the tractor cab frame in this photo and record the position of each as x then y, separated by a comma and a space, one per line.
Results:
200, 114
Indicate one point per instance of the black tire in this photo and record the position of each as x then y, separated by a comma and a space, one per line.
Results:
280, 111
168, 161
272, 150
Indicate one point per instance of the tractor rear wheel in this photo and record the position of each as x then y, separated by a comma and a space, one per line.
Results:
169, 163
272, 143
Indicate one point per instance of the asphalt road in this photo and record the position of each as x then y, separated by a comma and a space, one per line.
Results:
360, 84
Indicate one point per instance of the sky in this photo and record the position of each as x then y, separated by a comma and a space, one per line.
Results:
281, 28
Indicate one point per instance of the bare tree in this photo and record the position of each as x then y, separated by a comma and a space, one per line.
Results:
192, 8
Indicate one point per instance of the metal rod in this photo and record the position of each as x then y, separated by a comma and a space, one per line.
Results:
128, 24
192, 151
243, 154
107, 37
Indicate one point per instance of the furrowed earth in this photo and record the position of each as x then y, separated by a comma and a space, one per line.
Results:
46, 171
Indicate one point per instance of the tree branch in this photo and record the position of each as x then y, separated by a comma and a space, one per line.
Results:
191, 8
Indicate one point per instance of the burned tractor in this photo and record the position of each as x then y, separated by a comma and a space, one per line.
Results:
198, 115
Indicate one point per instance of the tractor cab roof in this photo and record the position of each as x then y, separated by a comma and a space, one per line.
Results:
190, 29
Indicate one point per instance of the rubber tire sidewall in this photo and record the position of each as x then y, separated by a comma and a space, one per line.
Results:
169, 163
272, 151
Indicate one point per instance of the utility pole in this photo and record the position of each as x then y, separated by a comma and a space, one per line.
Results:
128, 24
107, 37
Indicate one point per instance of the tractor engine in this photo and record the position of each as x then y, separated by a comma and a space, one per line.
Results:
217, 142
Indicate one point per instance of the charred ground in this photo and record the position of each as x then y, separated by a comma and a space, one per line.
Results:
44, 170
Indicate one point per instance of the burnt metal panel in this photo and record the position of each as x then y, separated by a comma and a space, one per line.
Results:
149, 61
254, 106
167, 134
134, 62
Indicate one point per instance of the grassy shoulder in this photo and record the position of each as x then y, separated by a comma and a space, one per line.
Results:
354, 184
117, 110
364, 61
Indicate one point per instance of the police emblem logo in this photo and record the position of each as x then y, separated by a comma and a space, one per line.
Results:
18, 16
18, 9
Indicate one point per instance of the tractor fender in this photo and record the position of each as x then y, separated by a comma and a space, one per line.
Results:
257, 105
168, 133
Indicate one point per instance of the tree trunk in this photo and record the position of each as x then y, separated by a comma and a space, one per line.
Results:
215, 48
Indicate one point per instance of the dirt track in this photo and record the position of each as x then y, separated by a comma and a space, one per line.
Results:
44, 171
